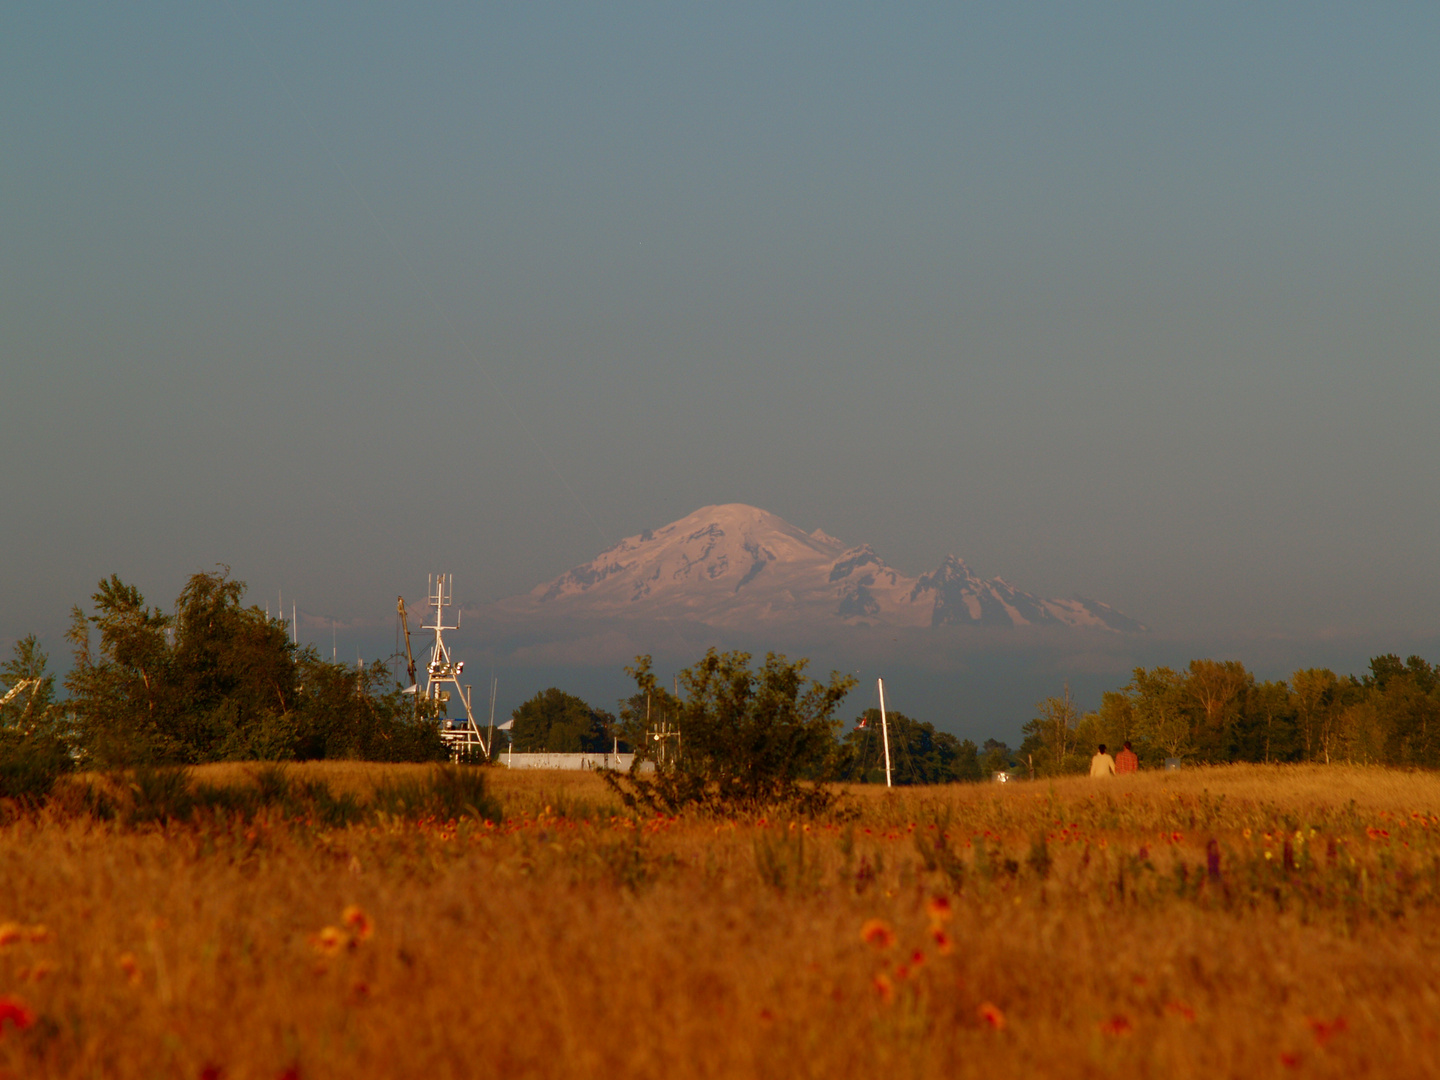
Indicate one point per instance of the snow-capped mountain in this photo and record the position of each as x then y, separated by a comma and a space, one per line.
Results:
740, 566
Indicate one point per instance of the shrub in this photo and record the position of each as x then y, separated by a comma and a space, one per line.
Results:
29, 767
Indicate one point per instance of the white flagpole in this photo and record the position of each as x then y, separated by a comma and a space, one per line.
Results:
884, 730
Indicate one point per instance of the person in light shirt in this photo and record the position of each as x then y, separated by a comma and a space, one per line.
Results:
1102, 764
1126, 761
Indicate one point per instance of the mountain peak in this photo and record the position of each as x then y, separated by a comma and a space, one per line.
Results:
735, 565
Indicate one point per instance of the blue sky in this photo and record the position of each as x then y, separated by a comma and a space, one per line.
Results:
1134, 301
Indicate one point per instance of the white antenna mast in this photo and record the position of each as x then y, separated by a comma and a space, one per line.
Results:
884, 730
459, 735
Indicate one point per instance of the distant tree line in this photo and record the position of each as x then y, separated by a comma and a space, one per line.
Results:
1213, 712
1217, 711
210, 680
730, 719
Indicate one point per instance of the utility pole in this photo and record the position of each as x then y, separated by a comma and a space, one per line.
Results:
884, 730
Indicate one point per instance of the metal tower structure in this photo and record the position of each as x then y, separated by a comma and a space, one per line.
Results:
461, 736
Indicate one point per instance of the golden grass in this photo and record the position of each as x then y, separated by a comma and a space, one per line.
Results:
582, 943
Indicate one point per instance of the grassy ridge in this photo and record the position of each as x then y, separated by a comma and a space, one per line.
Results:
1231, 921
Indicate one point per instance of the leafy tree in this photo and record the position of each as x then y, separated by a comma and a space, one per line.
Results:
220, 681
651, 706
1052, 737
33, 751
748, 738
919, 754
1406, 698
1161, 721
32, 706
121, 694
1315, 697
1217, 690
1271, 733
558, 722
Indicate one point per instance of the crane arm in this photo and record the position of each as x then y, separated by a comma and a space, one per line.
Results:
409, 656
18, 688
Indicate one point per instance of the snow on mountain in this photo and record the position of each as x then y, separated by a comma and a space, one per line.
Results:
738, 566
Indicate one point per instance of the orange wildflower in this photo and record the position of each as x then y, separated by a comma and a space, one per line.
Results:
40, 971
39, 933
877, 933
992, 1016
359, 923
328, 941
10, 933
1117, 1025
944, 944
1180, 1009
884, 987
940, 910
15, 1011
1325, 1030
130, 966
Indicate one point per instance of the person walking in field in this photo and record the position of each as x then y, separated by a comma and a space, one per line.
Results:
1126, 761
1102, 764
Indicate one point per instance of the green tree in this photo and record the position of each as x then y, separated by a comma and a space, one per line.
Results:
221, 681
33, 749
748, 738
1315, 698
33, 705
121, 693
557, 722
651, 708
918, 753
1051, 737
1217, 690
1406, 700
1162, 723
1271, 733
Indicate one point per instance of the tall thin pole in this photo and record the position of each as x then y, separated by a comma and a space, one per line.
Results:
884, 730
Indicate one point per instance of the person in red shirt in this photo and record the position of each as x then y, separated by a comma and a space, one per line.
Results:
1126, 760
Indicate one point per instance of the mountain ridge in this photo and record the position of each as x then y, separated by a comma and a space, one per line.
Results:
737, 566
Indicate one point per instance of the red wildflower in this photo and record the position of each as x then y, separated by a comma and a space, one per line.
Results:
359, 923
944, 944
939, 909
17, 1012
884, 987
877, 933
1180, 1009
1117, 1025
1289, 1060
211, 1072
1325, 1030
992, 1016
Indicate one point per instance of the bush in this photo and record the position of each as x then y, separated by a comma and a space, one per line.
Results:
29, 767
748, 739
447, 792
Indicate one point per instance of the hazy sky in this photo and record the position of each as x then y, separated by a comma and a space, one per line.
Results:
1135, 301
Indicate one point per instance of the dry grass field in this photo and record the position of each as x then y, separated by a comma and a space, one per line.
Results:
1242, 921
